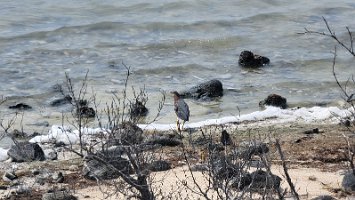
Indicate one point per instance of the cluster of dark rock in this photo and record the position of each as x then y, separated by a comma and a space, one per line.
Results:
138, 109
208, 90
232, 167
274, 100
205, 91
108, 163
212, 89
251, 60
115, 161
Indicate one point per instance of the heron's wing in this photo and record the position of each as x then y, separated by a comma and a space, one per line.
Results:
182, 110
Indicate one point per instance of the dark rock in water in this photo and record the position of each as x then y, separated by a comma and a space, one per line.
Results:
87, 112
274, 100
225, 138
25, 152
57, 88
83, 102
348, 182
159, 165
21, 106
105, 167
58, 195
324, 197
264, 180
248, 59
41, 123
83, 109
34, 134
138, 109
206, 90
61, 101
254, 149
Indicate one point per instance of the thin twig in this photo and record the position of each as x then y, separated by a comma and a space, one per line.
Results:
332, 34
288, 178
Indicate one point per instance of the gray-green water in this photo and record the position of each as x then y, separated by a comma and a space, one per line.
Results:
171, 45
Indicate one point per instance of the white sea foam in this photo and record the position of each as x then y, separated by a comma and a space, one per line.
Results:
271, 115
3, 154
66, 135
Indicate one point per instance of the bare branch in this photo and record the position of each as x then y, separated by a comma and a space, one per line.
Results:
288, 178
332, 34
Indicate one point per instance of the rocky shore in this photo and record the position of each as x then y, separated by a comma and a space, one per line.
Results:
314, 154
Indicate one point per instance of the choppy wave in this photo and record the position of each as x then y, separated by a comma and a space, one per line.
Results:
174, 45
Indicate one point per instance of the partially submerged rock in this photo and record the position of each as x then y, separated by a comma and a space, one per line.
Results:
274, 100
206, 90
20, 106
138, 109
25, 152
251, 60
84, 110
67, 99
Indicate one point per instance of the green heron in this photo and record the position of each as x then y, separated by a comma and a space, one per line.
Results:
181, 109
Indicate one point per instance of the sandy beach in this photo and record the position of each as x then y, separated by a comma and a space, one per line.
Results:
315, 162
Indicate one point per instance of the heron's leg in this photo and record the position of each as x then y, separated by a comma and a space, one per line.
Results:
182, 126
178, 124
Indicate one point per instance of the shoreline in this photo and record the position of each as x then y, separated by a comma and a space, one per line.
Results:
302, 151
